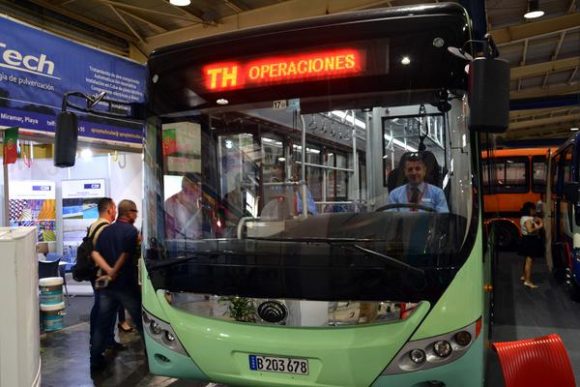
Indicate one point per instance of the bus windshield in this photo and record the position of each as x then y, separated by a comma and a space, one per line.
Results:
246, 205
327, 174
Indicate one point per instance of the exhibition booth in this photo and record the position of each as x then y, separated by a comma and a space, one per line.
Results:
45, 210
38, 69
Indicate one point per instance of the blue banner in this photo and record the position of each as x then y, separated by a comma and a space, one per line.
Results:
37, 68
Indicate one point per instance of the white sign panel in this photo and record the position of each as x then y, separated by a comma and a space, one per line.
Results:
76, 189
32, 189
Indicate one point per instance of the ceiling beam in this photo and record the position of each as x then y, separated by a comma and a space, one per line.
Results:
524, 125
517, 33
279, 12
85, 20
556, 89
537, 69
233, 6
531, 113
187, 16
544, 133
154, 26
126, 23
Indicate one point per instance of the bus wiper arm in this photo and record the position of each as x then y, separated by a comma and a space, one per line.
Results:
177, 261
390, 260
314, 239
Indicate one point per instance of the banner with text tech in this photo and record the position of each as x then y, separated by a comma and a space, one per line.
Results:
37, 68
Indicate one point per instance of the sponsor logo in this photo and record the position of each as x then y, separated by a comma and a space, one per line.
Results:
33, 64
273, 312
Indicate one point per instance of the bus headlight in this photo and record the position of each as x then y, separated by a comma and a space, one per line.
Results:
417, 356
463, 338
434, 351
155, 328
442, 348
162, 333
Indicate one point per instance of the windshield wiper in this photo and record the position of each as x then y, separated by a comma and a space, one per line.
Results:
389, 260
315, 239
171, 262
348, 242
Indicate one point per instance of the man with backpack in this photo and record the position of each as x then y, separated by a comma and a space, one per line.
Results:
85, 269
117, 245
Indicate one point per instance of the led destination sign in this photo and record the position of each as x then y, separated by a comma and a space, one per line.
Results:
284, 69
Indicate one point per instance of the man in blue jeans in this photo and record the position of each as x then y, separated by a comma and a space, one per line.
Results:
118, 284
107, 214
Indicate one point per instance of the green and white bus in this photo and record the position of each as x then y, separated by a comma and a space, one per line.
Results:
271, 254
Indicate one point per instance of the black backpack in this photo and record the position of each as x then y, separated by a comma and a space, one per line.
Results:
85, 269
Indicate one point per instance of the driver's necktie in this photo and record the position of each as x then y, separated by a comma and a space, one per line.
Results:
414, 197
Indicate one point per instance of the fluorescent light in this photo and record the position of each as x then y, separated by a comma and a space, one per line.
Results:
534, 10
406, 60
573, 129
350, 118
400, 144
180, 3
86, 153
534, 14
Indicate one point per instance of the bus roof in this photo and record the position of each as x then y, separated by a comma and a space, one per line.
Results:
378, 39
440, 9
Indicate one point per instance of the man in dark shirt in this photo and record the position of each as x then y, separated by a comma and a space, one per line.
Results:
117, 245
107, 214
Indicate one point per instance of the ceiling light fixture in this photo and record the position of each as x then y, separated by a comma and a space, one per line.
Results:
180, 3
534, 10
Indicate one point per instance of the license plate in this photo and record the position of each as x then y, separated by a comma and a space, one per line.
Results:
286, 365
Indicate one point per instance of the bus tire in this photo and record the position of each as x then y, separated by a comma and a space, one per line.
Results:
506, 235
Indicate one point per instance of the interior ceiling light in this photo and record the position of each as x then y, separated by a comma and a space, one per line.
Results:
534, 10
180, 3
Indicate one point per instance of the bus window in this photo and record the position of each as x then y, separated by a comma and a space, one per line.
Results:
518, 176
515, 173
539, 167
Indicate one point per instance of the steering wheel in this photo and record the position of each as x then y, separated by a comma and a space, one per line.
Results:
405, 205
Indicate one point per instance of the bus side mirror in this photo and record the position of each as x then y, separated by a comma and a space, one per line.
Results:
65, 139
572, 193
489, 94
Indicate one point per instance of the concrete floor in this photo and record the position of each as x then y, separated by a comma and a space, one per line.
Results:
521, 313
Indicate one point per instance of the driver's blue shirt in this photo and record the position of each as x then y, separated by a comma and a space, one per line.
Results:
430, 196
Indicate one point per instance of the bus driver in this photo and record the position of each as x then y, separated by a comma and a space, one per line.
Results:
417, 191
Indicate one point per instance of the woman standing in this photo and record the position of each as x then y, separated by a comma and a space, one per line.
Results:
531, 243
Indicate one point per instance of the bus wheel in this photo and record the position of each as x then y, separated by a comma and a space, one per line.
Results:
505, 235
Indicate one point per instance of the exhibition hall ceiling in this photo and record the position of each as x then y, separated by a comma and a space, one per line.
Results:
544, 53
